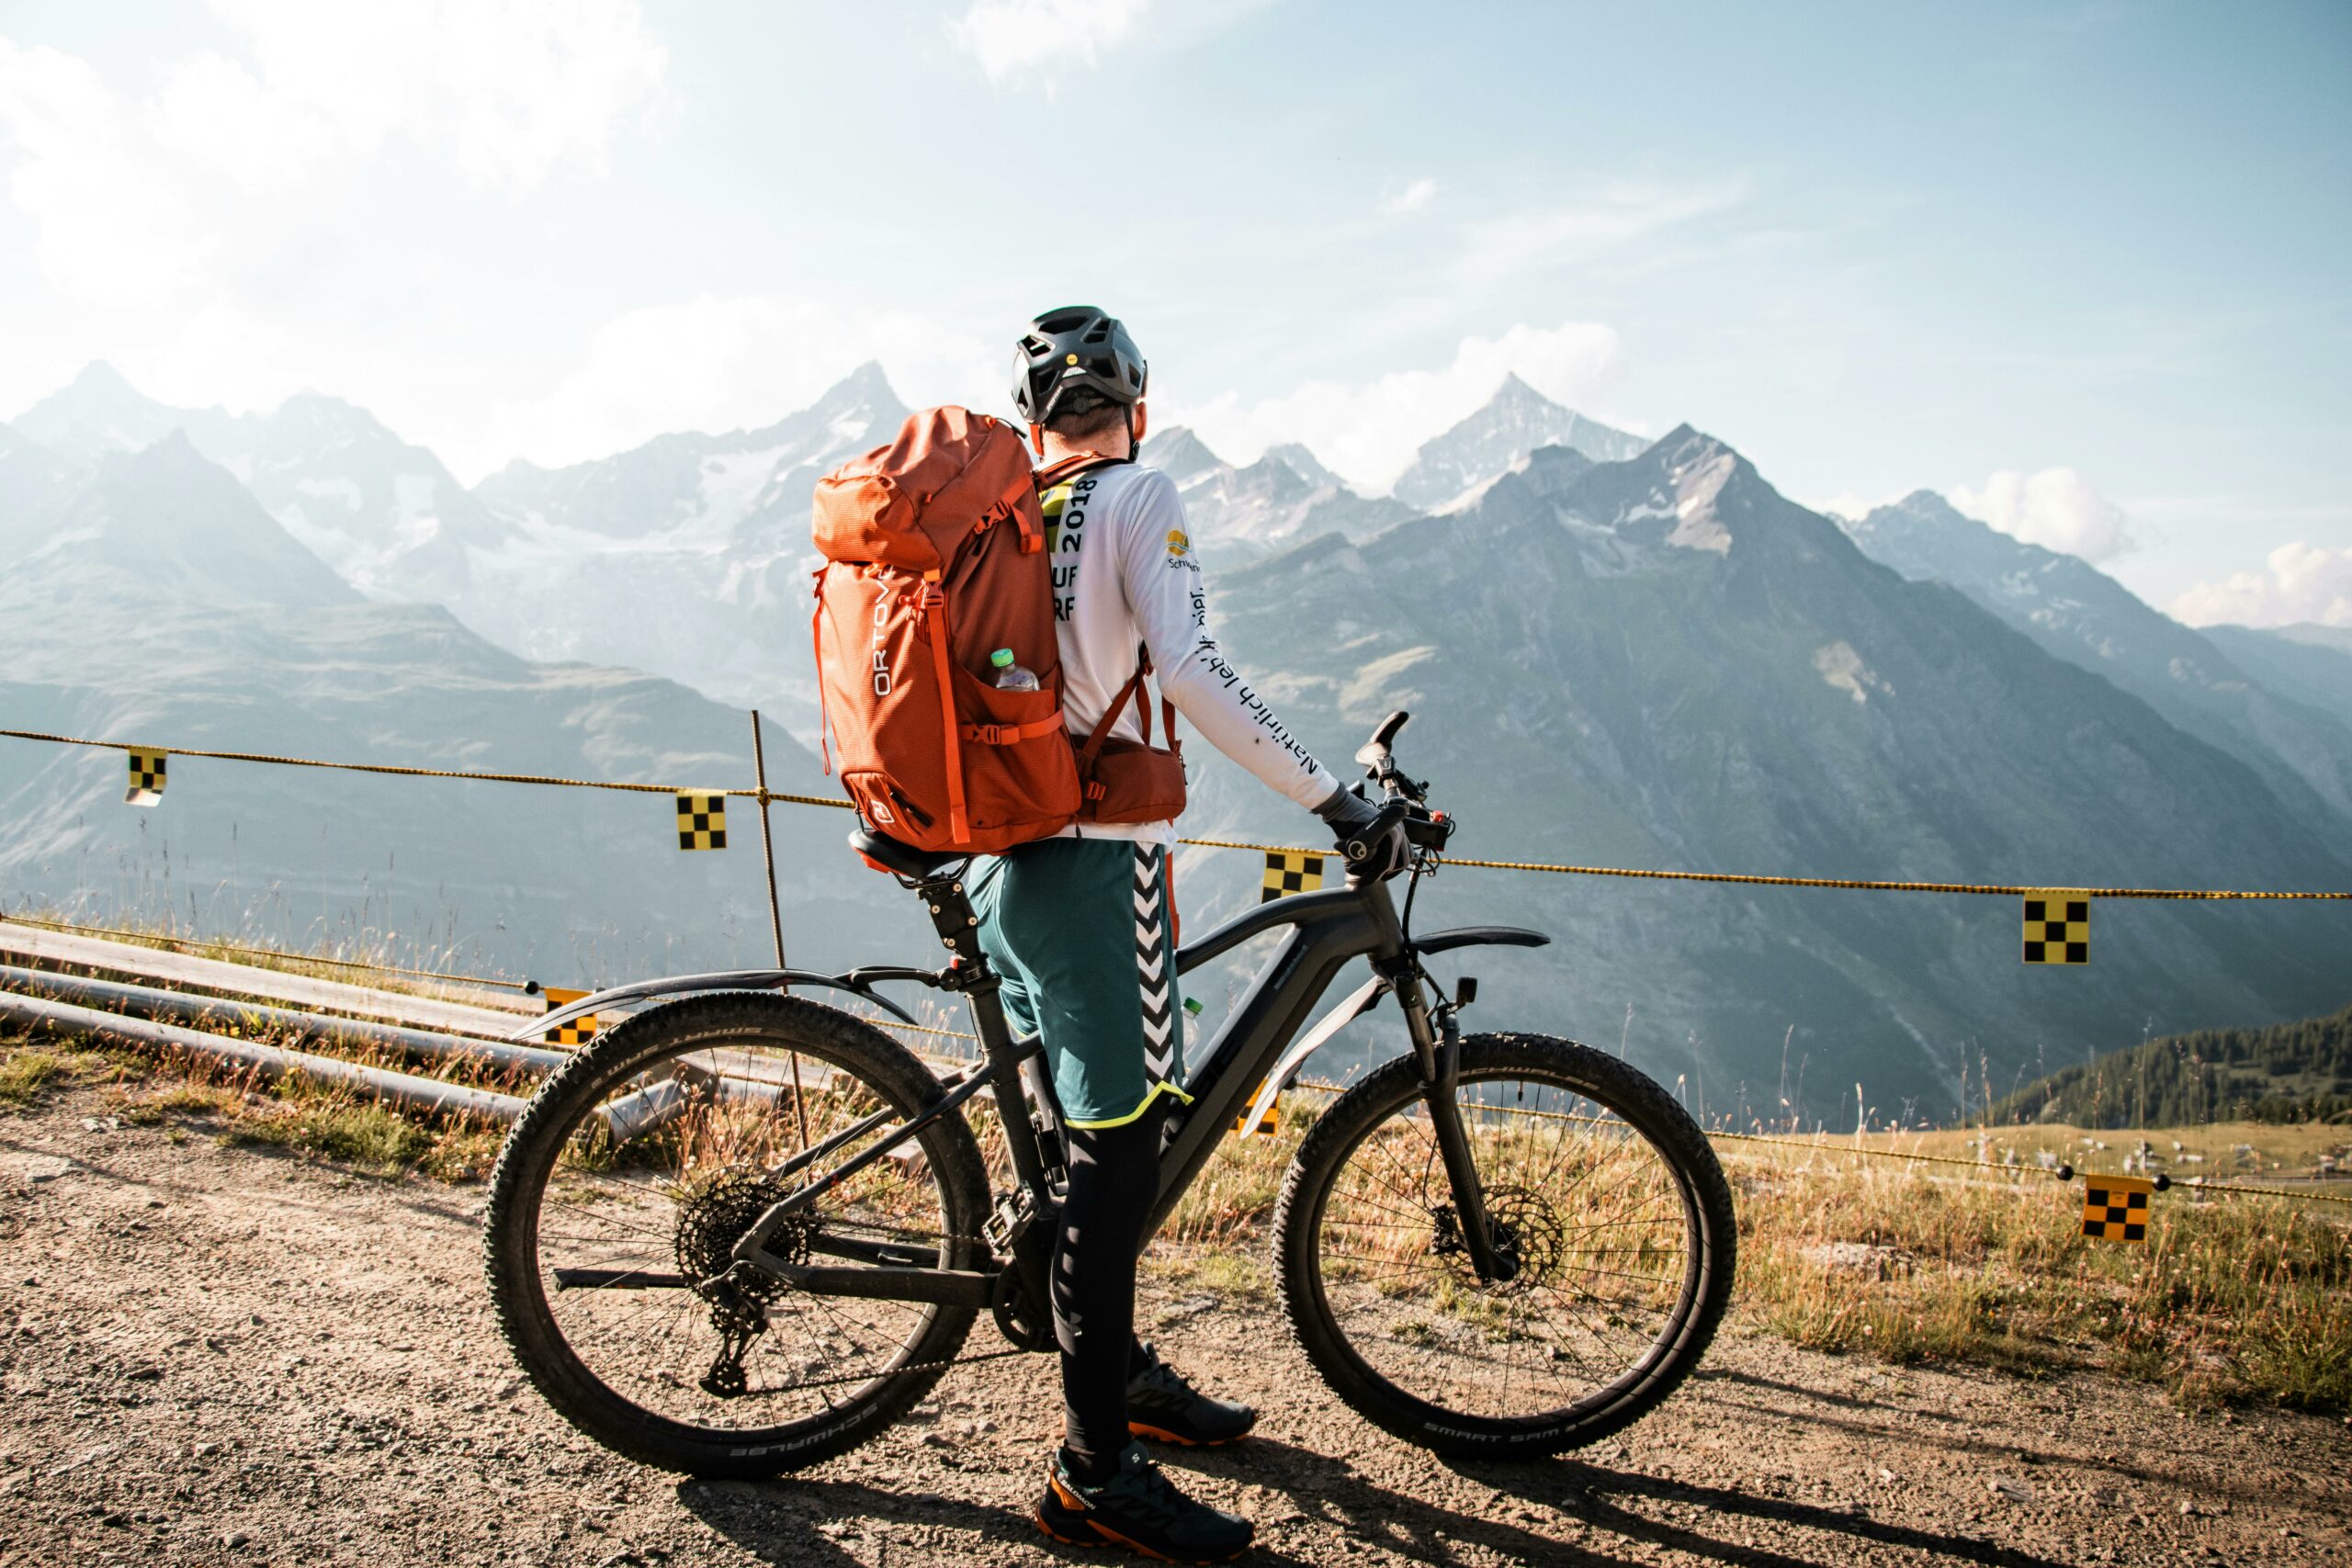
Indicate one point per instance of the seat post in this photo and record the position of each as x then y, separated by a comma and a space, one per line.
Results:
959, 931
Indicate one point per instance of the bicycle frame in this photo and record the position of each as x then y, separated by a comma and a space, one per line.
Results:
1327, 931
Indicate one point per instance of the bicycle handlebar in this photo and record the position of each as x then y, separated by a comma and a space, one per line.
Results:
1408, 797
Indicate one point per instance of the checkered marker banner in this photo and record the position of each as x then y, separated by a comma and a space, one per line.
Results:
1290, 873
2115, 1208
2057, 928
702, 821
146, 778
578, 1030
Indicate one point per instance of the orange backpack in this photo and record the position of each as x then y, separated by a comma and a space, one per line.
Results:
935, 557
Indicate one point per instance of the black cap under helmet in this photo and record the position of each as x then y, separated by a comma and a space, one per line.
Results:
1074, 347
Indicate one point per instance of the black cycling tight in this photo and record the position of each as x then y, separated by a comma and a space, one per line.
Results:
1113, 1180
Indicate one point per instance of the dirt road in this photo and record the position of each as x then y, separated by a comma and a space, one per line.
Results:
214, 1355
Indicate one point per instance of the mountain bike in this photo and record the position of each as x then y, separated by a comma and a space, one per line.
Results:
741, 1232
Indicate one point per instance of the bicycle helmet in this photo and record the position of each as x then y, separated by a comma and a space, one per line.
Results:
1076, 346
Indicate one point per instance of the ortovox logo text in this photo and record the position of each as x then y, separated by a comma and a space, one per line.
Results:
882, 643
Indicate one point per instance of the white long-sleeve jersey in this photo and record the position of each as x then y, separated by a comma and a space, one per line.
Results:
1125, 576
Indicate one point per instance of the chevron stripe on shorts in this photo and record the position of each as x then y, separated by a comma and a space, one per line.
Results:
1153, 980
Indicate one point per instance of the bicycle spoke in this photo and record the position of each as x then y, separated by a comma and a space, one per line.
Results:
672, 1199
1580, 1200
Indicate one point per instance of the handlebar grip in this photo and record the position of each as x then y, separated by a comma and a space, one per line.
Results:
1359, 847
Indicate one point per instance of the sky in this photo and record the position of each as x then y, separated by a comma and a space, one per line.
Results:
2082, 267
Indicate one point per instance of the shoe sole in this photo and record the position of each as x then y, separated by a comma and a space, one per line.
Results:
1113, 1538
1157, 1435
1106, 1536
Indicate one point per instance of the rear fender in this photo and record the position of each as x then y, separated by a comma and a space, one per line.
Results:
691, 985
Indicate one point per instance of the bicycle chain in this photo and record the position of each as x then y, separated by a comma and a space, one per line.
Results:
899, 1372
905, 1372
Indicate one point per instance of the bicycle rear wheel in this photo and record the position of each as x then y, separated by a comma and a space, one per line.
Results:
637, 1167
1601, 1188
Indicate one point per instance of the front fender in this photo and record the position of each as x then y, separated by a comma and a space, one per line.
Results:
1480, 936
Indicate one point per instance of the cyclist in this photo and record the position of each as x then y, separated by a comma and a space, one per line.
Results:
1081, 930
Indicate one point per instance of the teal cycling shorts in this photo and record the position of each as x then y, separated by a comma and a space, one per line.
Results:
1082, 933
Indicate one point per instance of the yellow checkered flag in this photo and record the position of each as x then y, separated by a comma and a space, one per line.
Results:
2115, 1208
578, 1030
2057, 927
702, 821
146, 778
1290, 871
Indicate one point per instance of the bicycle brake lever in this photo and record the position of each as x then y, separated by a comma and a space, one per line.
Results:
1358, 850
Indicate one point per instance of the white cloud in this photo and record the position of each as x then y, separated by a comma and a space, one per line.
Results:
1412, 198
1007, 36
137, 200
2056, 508
1369, 431
725, 364
1623, 211
2305, 582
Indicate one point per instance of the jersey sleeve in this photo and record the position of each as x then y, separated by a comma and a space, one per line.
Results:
1162, 575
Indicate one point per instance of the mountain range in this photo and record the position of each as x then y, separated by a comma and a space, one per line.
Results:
1618, 651
151, 599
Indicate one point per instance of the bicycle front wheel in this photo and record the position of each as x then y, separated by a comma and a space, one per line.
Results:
1600, 1188
637, 1167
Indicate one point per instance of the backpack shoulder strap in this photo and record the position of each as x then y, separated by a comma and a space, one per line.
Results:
1133, 691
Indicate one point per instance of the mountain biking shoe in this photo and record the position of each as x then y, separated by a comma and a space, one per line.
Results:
1140, 1509
1165, 1408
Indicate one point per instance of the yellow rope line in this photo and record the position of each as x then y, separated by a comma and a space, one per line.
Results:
1783, 1143
393, 771
2000, 889
2193, 1185
1996, 890
2189, 1184
526, 987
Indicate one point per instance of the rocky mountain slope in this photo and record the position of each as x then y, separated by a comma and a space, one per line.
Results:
1515, 421
1664, 663
1286, 495
155, 601
1617, 652
2081, 616
687, 556
388, 516
2311, 665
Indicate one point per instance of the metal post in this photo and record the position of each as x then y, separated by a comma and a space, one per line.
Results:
775, 910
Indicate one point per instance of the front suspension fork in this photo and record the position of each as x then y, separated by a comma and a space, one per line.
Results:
1437, 1045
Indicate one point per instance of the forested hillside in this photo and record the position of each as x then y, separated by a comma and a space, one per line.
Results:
2288, 1072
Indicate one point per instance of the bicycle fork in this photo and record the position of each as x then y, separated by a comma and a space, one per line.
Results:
1437, 1045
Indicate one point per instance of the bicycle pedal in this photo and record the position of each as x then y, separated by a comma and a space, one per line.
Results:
1012, 1215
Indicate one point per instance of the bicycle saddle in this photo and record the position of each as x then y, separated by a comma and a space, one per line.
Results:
901, 860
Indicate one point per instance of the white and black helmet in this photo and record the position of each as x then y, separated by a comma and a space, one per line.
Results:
1074, 347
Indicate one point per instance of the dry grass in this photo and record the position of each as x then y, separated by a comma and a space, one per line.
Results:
2230, 1299
374, 960
293, 1113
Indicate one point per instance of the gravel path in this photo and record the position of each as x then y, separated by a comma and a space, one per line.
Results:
214, 1355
